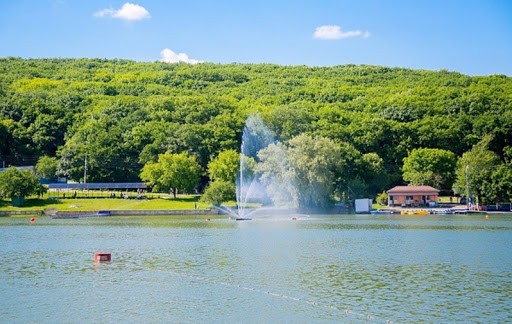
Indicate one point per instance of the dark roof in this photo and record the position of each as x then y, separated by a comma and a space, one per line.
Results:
98, 185
418, 190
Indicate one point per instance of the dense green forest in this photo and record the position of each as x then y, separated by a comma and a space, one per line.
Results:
122, 114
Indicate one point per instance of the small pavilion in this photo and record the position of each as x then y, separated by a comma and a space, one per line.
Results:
412, 196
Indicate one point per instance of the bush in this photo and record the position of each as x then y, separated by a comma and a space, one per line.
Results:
219, 192
382, 198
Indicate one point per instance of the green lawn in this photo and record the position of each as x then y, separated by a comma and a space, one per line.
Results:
180, 203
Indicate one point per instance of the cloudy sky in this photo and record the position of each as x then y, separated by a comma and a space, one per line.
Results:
472, 36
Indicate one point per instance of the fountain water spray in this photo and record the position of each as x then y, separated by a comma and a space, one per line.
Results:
251, 192
249, 189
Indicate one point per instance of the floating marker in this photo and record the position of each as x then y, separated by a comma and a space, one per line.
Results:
102, 257
33, 220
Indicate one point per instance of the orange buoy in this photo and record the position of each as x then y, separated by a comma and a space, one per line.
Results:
102, 257
33, 220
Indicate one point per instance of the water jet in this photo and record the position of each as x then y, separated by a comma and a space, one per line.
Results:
252, 196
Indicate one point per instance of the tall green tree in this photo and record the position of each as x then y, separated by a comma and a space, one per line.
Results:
475, 169
46, 167
305, 170
276, 174
500, 189
430, 166
16, 183
351, 179
222, 170
314, 161
373, 173
225, 166
172, 173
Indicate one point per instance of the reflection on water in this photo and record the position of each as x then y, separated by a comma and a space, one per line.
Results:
314, 269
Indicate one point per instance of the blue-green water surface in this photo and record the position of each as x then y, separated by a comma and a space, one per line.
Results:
317, 269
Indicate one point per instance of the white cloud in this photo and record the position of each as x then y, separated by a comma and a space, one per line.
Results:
170, 56
334, 32
129, 11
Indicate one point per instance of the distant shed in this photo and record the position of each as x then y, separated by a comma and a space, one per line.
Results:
363, 206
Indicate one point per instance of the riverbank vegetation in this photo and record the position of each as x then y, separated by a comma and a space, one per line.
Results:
114, 117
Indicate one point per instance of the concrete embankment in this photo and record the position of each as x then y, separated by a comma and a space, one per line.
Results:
112, 212
21, 213
163, 212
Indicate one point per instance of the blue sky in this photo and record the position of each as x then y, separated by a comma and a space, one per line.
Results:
472, 36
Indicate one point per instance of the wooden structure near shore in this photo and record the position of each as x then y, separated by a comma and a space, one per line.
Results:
412, 196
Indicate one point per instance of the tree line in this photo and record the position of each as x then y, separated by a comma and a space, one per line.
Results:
384, 126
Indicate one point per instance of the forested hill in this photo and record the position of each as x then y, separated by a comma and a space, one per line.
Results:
124, 113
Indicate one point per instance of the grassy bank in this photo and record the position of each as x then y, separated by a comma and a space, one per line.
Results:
180, 203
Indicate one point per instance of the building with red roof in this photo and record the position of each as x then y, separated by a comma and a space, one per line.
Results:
412, 196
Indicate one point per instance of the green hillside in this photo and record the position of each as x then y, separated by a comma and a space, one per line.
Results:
124, 113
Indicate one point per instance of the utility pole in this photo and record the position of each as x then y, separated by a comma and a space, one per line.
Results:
467, 187
85, 169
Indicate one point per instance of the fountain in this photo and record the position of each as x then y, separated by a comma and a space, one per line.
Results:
251, 191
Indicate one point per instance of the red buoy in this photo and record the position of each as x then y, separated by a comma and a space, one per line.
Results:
102, 257
33, 220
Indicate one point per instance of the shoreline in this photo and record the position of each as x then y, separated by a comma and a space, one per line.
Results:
174, 212
108, 213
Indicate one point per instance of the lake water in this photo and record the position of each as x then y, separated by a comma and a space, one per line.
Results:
320, 269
